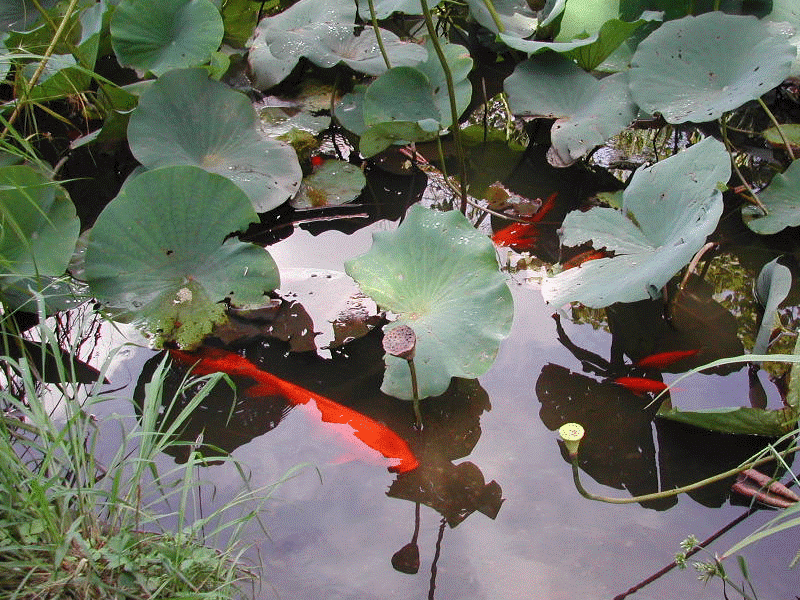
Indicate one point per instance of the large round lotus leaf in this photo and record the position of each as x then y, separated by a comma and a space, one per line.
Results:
385, 8
588, 111
782, 200
158, 35
668, 211
158, 253
323, 32
38, 225
21, 15
697, 68
440, 276
185, 118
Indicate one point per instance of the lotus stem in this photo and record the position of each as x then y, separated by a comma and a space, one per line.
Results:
378, 34
415, 392
666, 493
495, 17
42, 64
778, 127
451, 92
753, 197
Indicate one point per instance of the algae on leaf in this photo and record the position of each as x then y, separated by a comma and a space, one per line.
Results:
668, 211
441, 278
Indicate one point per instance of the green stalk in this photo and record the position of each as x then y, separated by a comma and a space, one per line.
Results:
753, 197
378, 34
42, 64
453, 108
495, 17
673, 492
778, 127
415, 391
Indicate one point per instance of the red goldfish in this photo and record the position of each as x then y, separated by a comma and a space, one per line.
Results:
641, 385
374, 435
664, 359
523, 236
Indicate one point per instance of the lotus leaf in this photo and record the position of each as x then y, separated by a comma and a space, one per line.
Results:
385, 8
697, 68
22, 15
518, 19
781, 200
610, 36
185, 118
772, 286
589, 111
39, 225
440, 276
323, 32
59, 78
334, 182
158, 35
668, 210
159, 253
582, 18
741, 420
790, 130
788, 11
460, 64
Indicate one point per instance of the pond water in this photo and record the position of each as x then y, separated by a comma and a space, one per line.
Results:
498, 514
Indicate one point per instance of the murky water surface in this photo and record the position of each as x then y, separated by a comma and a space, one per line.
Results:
498, 514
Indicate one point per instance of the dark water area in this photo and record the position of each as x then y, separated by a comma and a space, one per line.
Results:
499, 516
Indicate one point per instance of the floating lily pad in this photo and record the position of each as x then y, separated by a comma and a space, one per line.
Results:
158, 35
159, 253
324, 33
588, 111
668, 211
781, 200
697, 68
738, 420
185, 118
790, 130
333, 182
39, 225
440, 276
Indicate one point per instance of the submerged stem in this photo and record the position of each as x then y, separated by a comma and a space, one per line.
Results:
451, 92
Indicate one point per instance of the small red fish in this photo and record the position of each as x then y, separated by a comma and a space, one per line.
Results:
523, 236
371, 433
641, 385
664, 359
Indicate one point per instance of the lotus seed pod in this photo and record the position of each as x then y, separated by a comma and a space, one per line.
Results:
572, 434
400, 341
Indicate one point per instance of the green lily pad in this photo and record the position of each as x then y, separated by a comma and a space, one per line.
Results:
334, 182
184, 118
518, 19
460, 64
609, 37
588, 111
158, 35
324, 33
668, 211
22, 15
441, 277
781, 200
772, 286
788, 11
159, 253
39, 225
790, 130
697, 68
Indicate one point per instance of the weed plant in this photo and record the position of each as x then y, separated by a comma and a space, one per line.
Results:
71, 527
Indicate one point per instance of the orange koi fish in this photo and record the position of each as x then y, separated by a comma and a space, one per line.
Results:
641, 385
664, 359
523, 236
374, 435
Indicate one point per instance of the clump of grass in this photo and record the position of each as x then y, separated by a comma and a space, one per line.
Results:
73, 528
